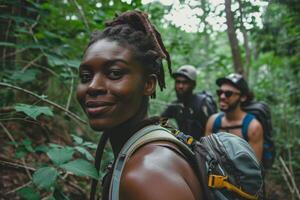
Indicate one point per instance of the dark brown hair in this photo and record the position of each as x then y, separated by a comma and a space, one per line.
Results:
134, 28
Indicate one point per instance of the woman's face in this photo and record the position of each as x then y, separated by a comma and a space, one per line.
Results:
112, 85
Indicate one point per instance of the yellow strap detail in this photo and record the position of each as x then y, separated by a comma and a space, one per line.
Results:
190, 140
219, 182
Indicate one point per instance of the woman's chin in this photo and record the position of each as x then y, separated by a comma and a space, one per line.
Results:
101, 124
98, 126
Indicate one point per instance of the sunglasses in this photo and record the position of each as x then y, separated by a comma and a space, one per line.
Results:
227, 93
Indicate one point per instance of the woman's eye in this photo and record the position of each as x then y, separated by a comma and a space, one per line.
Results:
115, 74
86, 76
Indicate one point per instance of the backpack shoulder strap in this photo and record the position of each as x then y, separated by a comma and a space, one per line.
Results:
146, 135
246, 122
217, 123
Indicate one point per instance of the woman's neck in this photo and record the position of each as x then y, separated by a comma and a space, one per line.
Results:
121, 133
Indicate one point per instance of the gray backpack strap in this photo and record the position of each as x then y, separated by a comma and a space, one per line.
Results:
146, 135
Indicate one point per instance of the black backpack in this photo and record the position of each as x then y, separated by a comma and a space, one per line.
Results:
262, 113
207, 99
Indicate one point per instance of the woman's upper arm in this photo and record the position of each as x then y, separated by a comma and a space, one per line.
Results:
158, 173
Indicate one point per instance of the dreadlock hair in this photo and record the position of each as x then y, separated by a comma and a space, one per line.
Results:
134, 28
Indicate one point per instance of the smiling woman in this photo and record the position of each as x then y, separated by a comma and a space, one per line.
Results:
118, 74
111, 82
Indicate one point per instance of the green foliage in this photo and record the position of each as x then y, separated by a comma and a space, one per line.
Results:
26, 76
29, 193
56, 61
85, 153
60, 155
45, 177
33, 111
81, 168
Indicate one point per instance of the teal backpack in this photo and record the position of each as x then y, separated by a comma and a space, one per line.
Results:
231, 170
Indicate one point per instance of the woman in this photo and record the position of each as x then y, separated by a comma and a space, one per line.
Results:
118, 74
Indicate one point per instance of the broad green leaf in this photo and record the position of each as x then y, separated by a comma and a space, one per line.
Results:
60, 155
27, 145
90, 145
57, 61
20, 152
52, 145
77, 139
45, 177
81, 168
34, 111
28, 193
74, 63
26, 76
42, 148
85, 152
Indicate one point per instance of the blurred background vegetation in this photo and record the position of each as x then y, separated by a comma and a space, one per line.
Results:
46, 147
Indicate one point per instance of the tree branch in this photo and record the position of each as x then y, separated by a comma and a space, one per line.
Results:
18, 188
16, 145
79, 8
290, 176
69, 113
31, 62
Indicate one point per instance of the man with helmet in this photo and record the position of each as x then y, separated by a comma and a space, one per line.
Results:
234, 94
190, 111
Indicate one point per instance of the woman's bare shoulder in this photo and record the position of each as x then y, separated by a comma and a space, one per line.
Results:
158, 172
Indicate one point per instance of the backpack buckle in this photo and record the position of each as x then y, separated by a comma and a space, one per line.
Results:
216, 181
219, 182
187, 139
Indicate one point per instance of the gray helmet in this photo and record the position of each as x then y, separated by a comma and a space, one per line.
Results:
236, 80
187, 71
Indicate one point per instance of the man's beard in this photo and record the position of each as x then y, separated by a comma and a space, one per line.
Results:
184, 95
231, 107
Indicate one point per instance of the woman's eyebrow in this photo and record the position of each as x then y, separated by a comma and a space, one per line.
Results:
84, 65
105, 63
113, 61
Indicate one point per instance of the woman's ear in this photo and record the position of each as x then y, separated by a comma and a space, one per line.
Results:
150, 85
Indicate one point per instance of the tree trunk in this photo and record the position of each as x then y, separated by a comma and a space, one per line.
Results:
246, 41
236, 55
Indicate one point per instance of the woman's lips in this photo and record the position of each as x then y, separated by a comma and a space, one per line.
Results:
98, 107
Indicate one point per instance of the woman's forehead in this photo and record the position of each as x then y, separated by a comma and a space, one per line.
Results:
107, 49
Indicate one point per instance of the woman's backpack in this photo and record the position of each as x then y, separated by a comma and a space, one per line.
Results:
225, 164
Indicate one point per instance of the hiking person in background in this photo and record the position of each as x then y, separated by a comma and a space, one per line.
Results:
118, 74
191, 111
234, 94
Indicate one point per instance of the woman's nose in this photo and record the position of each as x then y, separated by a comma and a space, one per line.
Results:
97, 85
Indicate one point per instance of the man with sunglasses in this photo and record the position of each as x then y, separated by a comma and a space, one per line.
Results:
233, 94
190, 111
